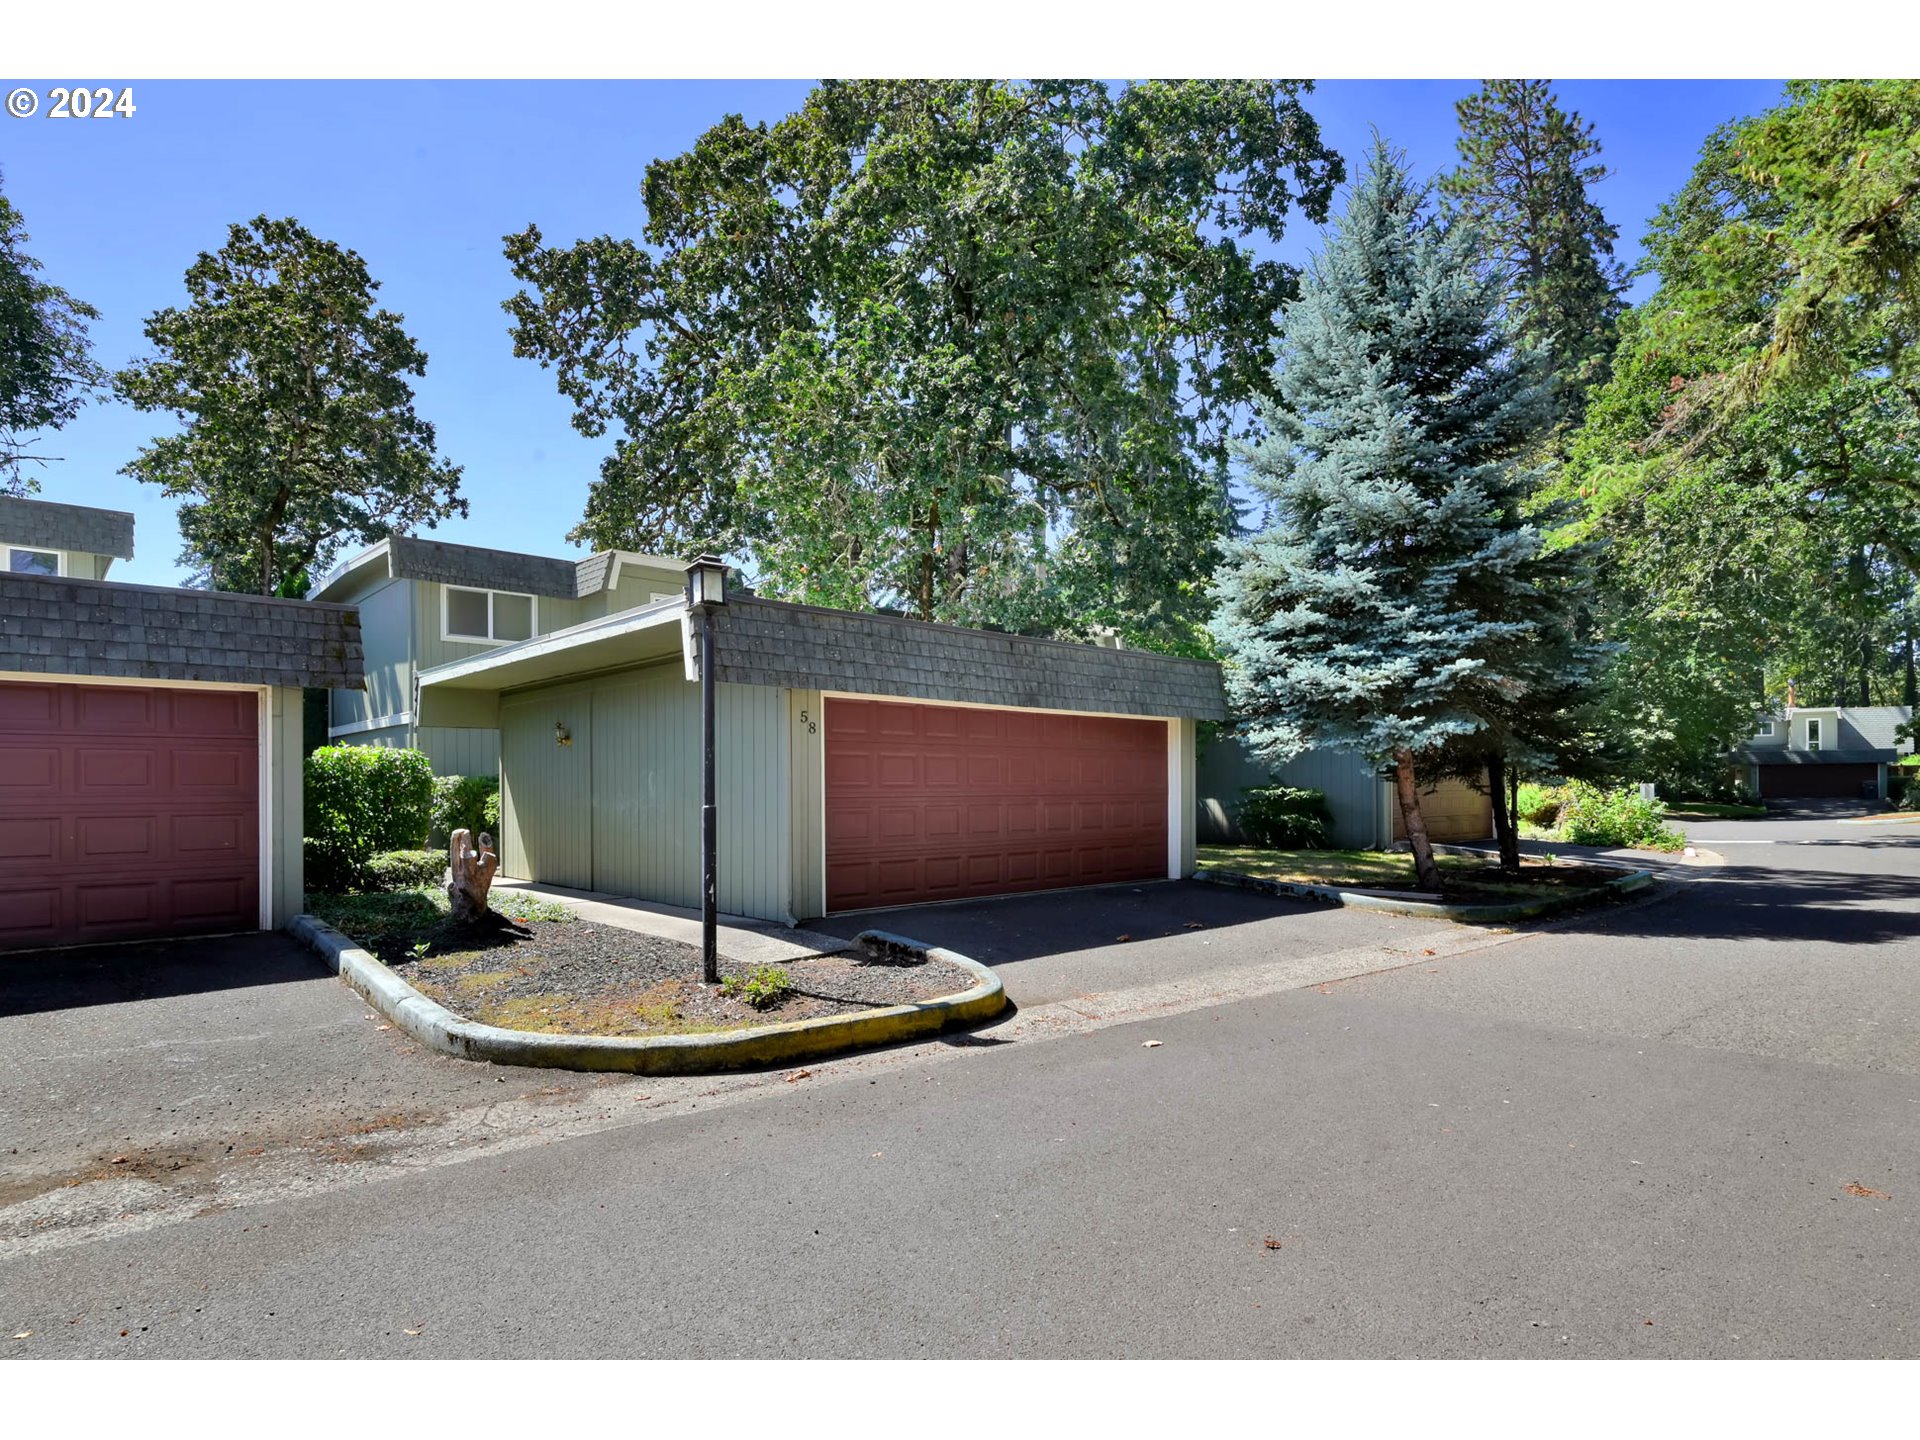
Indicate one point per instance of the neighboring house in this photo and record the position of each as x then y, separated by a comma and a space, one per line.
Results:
862, 760
150, 777
1366, 814
1814, 750
425, 603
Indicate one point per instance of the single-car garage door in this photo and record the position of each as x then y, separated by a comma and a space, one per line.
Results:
126, 813
937, 802
1807, 782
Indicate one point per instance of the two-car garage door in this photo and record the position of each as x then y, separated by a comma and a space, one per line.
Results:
940, 802
127, 812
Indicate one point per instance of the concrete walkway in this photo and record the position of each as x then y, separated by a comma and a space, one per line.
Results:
747, 941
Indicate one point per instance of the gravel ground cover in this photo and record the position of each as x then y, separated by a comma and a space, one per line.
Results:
574, 977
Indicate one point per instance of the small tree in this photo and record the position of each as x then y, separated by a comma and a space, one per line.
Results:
46, 368
298, 424
1384, 606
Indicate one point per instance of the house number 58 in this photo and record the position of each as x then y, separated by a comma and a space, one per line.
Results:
809, 724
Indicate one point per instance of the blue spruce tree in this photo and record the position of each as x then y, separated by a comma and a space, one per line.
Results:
1398, 602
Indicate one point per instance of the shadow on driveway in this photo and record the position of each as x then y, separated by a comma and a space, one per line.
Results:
32, 981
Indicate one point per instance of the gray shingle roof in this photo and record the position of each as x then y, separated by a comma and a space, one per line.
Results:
66, 527
436, 560
54, 626
770, 642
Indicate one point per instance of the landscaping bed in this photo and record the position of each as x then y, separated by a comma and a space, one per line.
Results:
1464, 880
552, 972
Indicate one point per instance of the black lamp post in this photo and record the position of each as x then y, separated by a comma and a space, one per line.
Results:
706, 591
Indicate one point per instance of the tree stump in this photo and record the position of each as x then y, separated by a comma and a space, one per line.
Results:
471, 876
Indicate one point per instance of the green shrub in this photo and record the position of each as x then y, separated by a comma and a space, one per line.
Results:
1591, 816
490, 814
360, 801
403, 870
1280, 817
762, 987
1539, 805
460, 803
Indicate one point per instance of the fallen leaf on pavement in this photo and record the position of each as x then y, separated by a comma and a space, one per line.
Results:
416, 1332
23, 1334
1865, 1192
1149, 1044
1271, 1243
794, 1075
119, 1160
1118, 938
876, 1154
1426, 952
1195, 925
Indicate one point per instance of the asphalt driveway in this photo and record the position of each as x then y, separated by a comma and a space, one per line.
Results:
1063, 944
177, 1054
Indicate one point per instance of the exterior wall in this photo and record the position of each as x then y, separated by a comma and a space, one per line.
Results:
284, 803
807, 817
618, 808
1183, 812
459, 752
1355, 793
1453, 810
383, 632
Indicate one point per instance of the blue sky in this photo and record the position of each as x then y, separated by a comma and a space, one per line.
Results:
423, 178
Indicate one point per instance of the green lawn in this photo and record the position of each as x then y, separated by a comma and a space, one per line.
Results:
1461, 876
417, 913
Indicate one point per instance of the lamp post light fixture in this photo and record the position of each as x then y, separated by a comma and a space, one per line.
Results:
706, 592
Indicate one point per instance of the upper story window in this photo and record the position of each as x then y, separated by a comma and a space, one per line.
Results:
1813, 734
1765, 732
486, 616
24, 561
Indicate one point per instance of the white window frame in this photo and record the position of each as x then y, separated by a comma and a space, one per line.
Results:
60, 566
1765, 731
1815, 733
446, 629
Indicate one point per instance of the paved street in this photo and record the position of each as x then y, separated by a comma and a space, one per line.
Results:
1681, 1127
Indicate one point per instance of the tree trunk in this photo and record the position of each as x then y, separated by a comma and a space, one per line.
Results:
472, 870
1426, 873
1911, 692
1505, 829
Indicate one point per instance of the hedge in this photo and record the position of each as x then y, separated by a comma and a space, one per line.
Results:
1280, 817
362, 800
460, 803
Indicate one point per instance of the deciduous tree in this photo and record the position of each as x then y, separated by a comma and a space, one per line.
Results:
47, 370
298, 430
975, 349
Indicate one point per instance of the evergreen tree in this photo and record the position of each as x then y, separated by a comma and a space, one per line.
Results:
1393, 605
1527, 165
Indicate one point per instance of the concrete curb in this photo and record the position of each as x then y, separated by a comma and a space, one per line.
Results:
1628, 881
437, 1027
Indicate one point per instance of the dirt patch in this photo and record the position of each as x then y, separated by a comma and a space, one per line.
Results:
580, 978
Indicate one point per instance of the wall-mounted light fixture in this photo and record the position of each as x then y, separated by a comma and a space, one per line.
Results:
561, 735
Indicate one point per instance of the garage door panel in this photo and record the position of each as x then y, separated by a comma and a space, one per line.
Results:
35, 838
1809, 782
26, 769
129, 813
983, 801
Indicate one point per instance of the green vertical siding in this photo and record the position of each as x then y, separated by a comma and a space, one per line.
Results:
383, 640
459, 752
626, 821
547, 798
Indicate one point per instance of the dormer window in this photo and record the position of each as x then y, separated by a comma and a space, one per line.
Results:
1813, 734
23, 561
1766, 730
486, 617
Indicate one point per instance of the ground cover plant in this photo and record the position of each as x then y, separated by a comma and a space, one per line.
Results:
544, 969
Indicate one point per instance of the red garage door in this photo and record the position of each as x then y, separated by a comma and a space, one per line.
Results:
936, 802
126, 813
1806, 782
